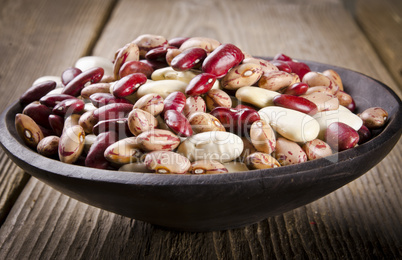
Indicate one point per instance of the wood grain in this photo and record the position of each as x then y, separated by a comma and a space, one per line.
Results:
382, 23
40, 38
359, 220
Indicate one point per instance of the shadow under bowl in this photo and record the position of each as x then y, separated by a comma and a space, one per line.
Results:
217, 201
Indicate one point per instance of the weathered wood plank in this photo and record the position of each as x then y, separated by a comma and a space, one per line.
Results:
40, 38
362, 219
381, 21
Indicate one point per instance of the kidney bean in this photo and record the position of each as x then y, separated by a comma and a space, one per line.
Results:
178, 123
299, 68
48, 146
158, 53
102, 99
207, 167
71, 144
288, 152
364, 134
374, 117
296, 103
128, 85
282, 57
158, 140
188, 59
57, 124
236, 120
204, 122
131, 67
166, 162
95, 157
222, 59
194, 104
68, 74
91, 76
208, 44
262, 137
147, 42
119, 125
39, 113
35, 92
200, 84
28, 130
155, 64
177, 41
174, 101
281, 65
124, 151
259, 160
112, 111
316, 149
341, 137
68, 107
140, 121
242, 75
296, 89
51, 100
217, 98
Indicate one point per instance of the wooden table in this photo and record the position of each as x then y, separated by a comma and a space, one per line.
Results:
361, 220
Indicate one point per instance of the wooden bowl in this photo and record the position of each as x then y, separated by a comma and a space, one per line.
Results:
220, 201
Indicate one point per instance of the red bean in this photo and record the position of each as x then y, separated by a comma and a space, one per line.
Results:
341, 137
178, 123
296, 103
189, 59
200, 84
296, 89
283, 57
127, 85
300, 68
68, 75
37, 91
155, 64
222, 59
75, 86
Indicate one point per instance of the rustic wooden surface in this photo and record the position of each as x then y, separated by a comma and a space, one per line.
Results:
43, 37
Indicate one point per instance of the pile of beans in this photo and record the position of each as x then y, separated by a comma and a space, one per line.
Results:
191, 106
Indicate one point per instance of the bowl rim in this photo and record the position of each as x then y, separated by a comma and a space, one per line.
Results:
20, 152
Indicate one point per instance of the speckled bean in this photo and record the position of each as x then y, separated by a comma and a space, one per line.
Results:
166, 162
242, 75
28, 130
207, 167
259, 160
158, 140
71, 144
288, 152
374, 117
316, 149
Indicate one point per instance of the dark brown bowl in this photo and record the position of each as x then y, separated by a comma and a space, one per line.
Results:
220, 201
